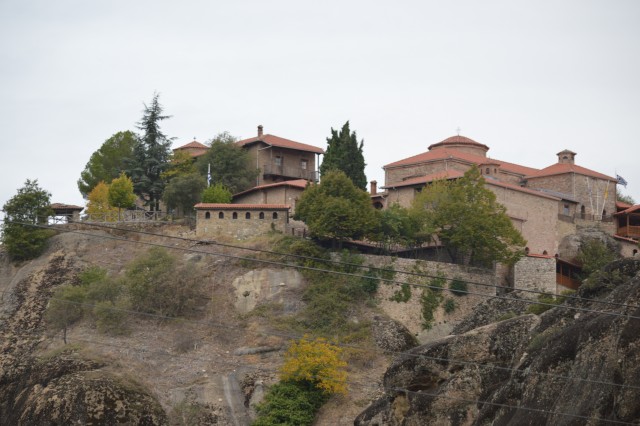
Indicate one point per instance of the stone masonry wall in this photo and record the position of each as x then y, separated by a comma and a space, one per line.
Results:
278, 195
535, 273
241, 227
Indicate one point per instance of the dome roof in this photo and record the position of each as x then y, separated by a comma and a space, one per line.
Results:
459, 141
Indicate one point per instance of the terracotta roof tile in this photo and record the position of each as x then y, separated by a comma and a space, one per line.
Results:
297, 183
459, 140
563, 168
193, 144
632, 209
621, 205
520, 189
422, 180
281, 143
217, 206
441, 154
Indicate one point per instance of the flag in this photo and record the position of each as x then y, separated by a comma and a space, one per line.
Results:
209, 175
621, 181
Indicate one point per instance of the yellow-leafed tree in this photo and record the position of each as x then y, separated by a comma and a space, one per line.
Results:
316, 362
98, 204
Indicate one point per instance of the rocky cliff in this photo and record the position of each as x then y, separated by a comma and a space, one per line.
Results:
578, 363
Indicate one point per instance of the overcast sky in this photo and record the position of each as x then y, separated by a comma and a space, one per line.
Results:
526, 78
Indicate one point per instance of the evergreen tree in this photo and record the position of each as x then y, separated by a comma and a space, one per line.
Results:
150, 156
345, 154
30, 207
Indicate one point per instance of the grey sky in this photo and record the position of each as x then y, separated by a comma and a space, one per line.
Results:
526, 78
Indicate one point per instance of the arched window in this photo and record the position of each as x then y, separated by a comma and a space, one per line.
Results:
235, 215
261, 215
275, 215
582, 212
207, 215
221, 215
247, 215
487, 171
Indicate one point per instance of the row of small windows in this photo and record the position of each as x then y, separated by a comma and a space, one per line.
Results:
234, 215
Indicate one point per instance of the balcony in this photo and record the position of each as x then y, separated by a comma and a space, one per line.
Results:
272, 170
629, 231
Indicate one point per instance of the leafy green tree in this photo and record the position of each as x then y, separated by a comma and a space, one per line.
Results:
65, 308
217, 193
121, 193
231, 165
398, 227
98, 203
180, 164
466, 218
335, 209
595, 254
183, 192
23, 213
624, 198
344, 153
150, 156
108, 161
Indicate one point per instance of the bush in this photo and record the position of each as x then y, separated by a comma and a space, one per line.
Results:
593, 255
458, 287
403, 294
158, 285
430, 302
317, 363
547, 302
289, 403
449, 305
111, 318
65, 308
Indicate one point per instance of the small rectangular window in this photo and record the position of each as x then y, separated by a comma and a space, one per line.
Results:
277, 161
304, 164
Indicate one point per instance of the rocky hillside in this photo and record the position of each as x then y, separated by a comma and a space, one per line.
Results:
578, 363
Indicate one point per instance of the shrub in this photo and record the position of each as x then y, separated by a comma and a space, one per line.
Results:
458, 287
430, 302
289, 403
316, 362
547, 302
403, 294
65, 308
111, 318
593, 255
449, 305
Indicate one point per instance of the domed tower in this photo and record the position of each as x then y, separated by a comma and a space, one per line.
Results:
463, 144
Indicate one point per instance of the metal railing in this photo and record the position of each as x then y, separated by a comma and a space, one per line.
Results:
290, 172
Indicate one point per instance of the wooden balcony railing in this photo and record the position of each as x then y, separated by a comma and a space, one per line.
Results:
629, 231
289, 172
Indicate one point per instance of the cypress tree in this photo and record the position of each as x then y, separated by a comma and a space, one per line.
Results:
345, 154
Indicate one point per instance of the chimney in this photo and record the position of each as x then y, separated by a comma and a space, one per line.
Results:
374, 187
260, 131
566, 157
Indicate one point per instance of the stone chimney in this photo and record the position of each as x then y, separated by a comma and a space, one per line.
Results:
374, 187
566, 157
260, 131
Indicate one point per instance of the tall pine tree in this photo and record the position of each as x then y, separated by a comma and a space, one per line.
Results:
150, 156
345, 154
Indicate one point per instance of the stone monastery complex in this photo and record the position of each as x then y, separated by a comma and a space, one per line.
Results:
546, 205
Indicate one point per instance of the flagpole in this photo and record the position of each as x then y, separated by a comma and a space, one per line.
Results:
209, 175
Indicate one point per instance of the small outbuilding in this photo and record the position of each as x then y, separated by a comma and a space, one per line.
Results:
66, 212
240, 220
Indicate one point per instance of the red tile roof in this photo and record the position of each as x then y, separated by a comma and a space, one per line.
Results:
61, 206
520, 189
281, 143
632, 209
563, 168
193, 144
218, 206
459, 140
297, 183
422, 180
448, 153
621, 205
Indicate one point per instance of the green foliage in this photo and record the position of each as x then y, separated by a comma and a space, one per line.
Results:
547, 301
593, 255
344, 154
336, 210
430, 301
506, 316
398, 227
65, 308
467, 220
180, 164
121, 193
624, 198
157, 284
183, 192
111, 318
290, 404
108, 161
217, 193
449, 305
150, 157
458, 287
402, 295
231, 165
26, 210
